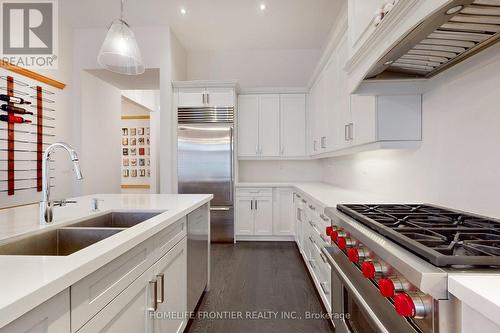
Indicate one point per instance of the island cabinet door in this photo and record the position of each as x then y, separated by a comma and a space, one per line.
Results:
171, 277
130, 311
49, 317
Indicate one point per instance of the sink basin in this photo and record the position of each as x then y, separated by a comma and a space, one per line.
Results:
58, 242
117, 220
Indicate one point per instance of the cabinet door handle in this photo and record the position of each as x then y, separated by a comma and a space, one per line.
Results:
351, 131
153, 288
256, 205
251, 204
282, 149
203, 98
256, 149
304, 201
315, 143
346, 132
161, 282
311, 207
323, 288
312, 224
323, 217
310, 239
323, 142
323, 257
208, 98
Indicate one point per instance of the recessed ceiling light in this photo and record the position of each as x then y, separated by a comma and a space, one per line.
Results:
183, 11
454, 10
262, 6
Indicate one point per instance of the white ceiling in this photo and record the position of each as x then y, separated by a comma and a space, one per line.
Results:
218, 24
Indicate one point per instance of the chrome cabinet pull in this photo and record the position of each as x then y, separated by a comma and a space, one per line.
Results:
161, 281
208, 98
153, 287
346, 132
351, 131
311, 207
282, 149
311, 240
312, 224
321, 284
256, 205
251, 204
304, 201
315, 143
311, 262
323, 142
323, 258
323, 217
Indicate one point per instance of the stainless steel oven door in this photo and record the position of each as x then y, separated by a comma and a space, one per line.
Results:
357, 306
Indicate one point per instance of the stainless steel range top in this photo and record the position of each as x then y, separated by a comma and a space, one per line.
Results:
442, 236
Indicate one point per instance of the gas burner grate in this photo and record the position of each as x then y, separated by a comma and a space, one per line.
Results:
442, 236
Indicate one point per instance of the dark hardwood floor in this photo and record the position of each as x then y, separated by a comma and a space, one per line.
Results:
266, 277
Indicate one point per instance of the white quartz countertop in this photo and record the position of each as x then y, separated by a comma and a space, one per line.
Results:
481, 292
28, 281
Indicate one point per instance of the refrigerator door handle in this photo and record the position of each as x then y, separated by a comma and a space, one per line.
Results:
231, 175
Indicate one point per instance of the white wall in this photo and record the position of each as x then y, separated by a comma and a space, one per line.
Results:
254, 68
179, 59
279, 171
100, 155
458, 164
154, 43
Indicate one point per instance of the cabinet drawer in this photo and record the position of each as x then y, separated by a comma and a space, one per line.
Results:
92, 293
254, 192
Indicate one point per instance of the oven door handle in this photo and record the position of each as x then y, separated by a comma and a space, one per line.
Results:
352, 289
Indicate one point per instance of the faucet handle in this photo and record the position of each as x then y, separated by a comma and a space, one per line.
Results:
62, 203
95, 204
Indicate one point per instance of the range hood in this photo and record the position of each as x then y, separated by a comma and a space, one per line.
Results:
454, 33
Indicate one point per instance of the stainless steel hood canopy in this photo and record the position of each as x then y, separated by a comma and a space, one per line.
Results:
449, 36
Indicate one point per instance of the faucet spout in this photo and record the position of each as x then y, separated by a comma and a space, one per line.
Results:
46, 214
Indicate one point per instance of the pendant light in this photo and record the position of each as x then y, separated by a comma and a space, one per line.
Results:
120, 53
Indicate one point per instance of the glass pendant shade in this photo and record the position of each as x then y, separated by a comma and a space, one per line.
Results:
120, 53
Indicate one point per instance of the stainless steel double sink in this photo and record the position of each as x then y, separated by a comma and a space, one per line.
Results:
75, 237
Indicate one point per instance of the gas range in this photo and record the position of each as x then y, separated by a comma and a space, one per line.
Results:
442, 236
392, 262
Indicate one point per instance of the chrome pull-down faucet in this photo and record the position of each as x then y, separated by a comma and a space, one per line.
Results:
46, 214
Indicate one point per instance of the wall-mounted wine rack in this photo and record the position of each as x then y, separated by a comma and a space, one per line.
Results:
28, 104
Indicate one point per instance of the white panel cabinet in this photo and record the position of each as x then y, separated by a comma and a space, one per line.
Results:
284, 218
269, 125
191, 97
205, 97
161, 288
248, 125
293, 125
254, 215
52, 316
272, 126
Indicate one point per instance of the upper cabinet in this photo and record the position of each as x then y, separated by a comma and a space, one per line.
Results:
271, 126
362, 16
192, 94
343, 123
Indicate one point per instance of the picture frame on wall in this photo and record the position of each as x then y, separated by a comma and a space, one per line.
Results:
124, 131
125, 173
142, 172
124, 141
133, 151
132, 131
125, 152
133, 162
141, 151
133, 173
126, 162
147, 131
133, 141
140, 131
142, 162
140, 141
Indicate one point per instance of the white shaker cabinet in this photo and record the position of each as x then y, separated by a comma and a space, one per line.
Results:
191, 97
254, 216
219, 96
284, 217
248, 125
52, 316
293, 125
244, 216
263, 210
134, 309
269, 125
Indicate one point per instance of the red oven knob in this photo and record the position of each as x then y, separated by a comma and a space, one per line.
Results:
373, 269
415, 305
355, 254
390, 286
329, 231
336, 234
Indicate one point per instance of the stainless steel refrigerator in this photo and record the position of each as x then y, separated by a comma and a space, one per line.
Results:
205, 163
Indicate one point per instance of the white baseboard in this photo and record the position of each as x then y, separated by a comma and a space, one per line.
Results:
254, 238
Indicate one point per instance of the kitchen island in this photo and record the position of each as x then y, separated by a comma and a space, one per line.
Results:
109, 283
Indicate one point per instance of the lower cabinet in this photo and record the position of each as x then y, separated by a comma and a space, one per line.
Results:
264, 213
50, 316
154, 302
254, 216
